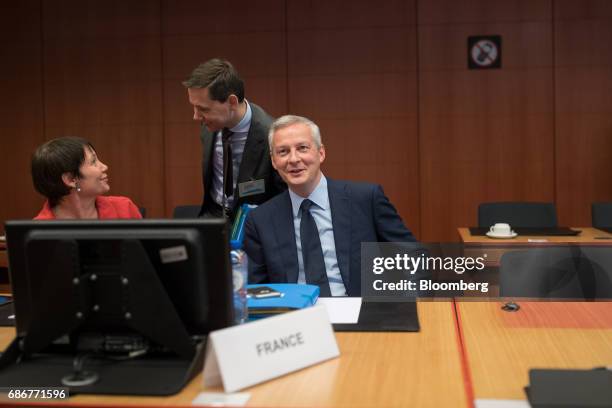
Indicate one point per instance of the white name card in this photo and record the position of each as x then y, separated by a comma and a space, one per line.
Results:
241, 356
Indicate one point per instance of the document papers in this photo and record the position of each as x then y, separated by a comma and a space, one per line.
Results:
500, 403
220, 399
342, 309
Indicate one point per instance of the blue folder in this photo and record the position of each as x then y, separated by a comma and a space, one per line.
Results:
237, 236
294, 296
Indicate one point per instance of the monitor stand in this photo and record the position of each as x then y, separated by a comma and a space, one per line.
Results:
149, 375
31, 359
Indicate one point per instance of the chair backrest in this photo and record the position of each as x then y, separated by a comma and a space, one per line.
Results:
602, 215
540, 273
518, 214
596, 271
186, 211
568, 272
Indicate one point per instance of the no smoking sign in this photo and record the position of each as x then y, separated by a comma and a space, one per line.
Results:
484, 52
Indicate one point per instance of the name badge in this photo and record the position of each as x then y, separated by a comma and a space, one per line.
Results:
245, 355
253, 187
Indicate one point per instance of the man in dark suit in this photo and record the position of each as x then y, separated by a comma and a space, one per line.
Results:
236, 163
313, 232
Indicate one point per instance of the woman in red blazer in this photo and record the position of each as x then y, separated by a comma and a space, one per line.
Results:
69, 174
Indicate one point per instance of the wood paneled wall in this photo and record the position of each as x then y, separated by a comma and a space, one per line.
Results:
21, 109
387, 82
353, 71
102, 81
583, 105
253, 39
486, 135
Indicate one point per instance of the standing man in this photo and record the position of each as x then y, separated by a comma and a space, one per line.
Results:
236, 163
313, 232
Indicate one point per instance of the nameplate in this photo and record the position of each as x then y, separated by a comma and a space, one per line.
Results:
245, 355
253, 187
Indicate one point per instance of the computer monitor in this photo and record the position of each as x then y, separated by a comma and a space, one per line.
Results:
110, 286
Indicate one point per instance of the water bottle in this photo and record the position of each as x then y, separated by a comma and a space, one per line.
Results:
239, 274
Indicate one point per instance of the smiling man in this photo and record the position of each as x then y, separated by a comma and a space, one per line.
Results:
236, 164
313, 232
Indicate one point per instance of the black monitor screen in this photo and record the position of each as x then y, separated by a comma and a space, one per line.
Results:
106, 276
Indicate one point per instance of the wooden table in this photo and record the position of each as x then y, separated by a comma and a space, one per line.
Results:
374, 369
477, 245
500, 347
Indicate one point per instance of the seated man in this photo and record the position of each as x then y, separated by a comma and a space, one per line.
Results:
313, 232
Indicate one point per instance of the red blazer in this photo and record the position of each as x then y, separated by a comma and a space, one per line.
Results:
109, 207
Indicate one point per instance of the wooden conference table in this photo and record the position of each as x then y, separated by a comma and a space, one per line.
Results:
500, 347
587, 236
465, 350
477, 245
421, 369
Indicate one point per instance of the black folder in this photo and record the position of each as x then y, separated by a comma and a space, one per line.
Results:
384, 317
570, 388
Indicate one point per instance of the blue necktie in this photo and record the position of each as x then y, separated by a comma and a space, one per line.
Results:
314, 265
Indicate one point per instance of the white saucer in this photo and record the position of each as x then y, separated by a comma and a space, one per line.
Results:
492, 235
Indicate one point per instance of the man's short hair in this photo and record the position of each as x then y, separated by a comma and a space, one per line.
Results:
54, 158
220, 77
288, 120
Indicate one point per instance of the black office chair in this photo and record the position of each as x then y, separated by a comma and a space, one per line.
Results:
186, 211
597, 268
569, 272
540, 273
601, 214
518, 214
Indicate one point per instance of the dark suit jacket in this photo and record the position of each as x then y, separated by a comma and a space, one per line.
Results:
255, 163
360, 213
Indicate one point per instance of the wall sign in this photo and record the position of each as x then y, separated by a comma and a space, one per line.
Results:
484, 52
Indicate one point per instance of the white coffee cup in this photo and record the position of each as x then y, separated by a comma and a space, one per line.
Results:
501, 229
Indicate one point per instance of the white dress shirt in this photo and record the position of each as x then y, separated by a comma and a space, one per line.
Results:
237, 142
321, 212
